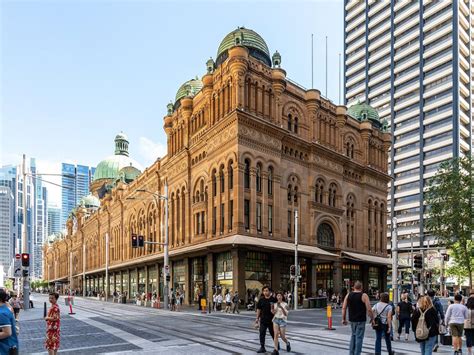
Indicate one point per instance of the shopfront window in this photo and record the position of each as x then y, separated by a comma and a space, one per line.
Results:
374, 285
224, 270
125, 284
152, 279
141, 281
133, 283
324, 278
350, 274
179, 276
118, 283
198, 278
258, 270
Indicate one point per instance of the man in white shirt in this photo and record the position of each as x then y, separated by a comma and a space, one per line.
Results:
455, 316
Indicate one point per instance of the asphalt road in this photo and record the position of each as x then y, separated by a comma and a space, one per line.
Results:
100, 327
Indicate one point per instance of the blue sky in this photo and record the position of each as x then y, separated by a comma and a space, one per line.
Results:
75, 73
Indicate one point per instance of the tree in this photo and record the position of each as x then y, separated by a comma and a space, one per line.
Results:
450, 214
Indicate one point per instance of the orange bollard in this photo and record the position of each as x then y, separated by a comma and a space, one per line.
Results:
329, 315
203, 305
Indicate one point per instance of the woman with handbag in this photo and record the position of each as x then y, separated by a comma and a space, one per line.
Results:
425, 325
469, 323
382, 323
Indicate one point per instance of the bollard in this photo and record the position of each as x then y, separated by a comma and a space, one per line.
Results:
70, 304
329, 315
203, 305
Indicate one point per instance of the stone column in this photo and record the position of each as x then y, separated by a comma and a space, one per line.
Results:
276, 277
337, 276
187, 281
279, 213
211, 277
314, 277
253, 200
365, 277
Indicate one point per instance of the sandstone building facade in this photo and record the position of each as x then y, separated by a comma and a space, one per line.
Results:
247, 148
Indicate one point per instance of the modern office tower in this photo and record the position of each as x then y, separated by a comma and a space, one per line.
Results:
413, 62
8, 178
75, 185
7, 213
54, 220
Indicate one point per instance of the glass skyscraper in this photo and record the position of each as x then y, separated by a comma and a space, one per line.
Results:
413, 62
7, 232
75, 185
54, 220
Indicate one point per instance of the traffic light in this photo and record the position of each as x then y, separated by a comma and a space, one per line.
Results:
134, 241
25, 273
168, 277
418, 261
445, 257
292, 270
25, 259
141, 241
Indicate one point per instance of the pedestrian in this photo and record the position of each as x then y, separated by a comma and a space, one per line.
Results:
382, 323
469, 323
53, 325
439, 309
181, 298
455, 317
219, 302
280, 310
8, 331
425, 324
359, 306
265, 316
214, 301
228, 301
235, 302
178, 301
404, 312
173, 300
16, 305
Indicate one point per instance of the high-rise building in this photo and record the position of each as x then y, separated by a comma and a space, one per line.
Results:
8, 178
413, 62
75, 185
54, 220
7, 211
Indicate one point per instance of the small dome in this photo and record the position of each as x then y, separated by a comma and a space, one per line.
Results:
121, 136
189, 88
247, 38
90, 201
363, 112
129, 173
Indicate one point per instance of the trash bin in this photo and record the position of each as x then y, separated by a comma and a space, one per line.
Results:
124, 299
312, 302
305, 303
199, 302
322, 302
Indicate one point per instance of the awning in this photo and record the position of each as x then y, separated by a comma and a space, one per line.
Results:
368, 258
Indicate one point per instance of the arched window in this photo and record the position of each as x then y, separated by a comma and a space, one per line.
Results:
296, 125
221, 177
369, 224
289, 193
325, 235
332, 194
270, 181
295, 194
230, 172
381, 223
259, 177
214, 183
319, 191
350, 221
247, 174
289, 122
349, 148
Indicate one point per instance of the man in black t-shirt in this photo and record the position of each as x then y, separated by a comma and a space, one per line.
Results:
265, 316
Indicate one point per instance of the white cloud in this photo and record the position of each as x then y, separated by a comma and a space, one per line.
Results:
150, 151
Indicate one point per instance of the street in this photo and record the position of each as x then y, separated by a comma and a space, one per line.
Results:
100, 327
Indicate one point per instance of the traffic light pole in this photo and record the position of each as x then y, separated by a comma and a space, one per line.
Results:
297, 274
166, 256
24, 242
394, 260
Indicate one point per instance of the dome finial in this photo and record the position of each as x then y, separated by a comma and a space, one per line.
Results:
210, 65
169, 108
121, 144
276, 59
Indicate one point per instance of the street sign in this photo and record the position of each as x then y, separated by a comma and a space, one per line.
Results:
17, 256
17, 268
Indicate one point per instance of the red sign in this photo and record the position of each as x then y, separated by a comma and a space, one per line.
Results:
17, 256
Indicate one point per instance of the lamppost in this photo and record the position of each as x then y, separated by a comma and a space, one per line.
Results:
164, 197
394, 260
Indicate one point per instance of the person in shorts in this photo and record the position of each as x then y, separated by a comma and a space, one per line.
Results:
280, 310
455, 316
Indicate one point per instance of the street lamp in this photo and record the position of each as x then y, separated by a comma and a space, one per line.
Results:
164, 197
394, 260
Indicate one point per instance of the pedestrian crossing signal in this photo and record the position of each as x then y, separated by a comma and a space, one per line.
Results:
418, 261
141, 241
134, 241
25, 259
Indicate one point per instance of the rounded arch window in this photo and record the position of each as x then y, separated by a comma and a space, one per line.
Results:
325, 235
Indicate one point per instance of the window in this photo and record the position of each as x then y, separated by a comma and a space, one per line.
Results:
259, 177
231, 214
295, 194
289, 224
325, 235
198, 223
259, 217
231, 175
270, 181
222, 217
332, 195
270, 219
214, 183
289, 122
214, 219
247, 174
350, 149
296, 125
289, 193
247, 214
319, 191
350, 221
221, 175
203, 225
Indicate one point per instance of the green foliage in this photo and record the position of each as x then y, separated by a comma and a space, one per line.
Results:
8, 284
451, 216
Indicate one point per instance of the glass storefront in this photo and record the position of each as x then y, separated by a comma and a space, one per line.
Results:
374, 280
223, 267
152, 279
198, 278
101, 284
350, 274
179, 276
133, 283
141, 280
125, 284
258, 270
324, 278
118, 282
286, 284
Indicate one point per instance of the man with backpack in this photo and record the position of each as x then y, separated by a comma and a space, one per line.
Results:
425, 324
359, 306
439, 309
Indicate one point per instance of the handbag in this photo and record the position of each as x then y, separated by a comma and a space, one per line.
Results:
377, 320
469, 322
442, 329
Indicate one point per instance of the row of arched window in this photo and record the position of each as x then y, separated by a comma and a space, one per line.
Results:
292, 124
258, 177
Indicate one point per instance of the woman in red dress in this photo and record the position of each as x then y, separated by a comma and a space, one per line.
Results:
52, 325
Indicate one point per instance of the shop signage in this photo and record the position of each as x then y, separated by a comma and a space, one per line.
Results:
228, 275
220, 276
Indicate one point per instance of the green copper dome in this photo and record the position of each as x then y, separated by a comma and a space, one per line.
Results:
189, 88
363, 112
90, 201
109, 167
129, 173
247, 38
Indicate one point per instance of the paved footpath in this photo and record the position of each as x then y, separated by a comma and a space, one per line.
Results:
101, 327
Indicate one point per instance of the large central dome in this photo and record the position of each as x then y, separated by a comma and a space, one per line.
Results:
247, 38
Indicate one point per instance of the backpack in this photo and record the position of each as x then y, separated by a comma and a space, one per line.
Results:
422, 332
378, 320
